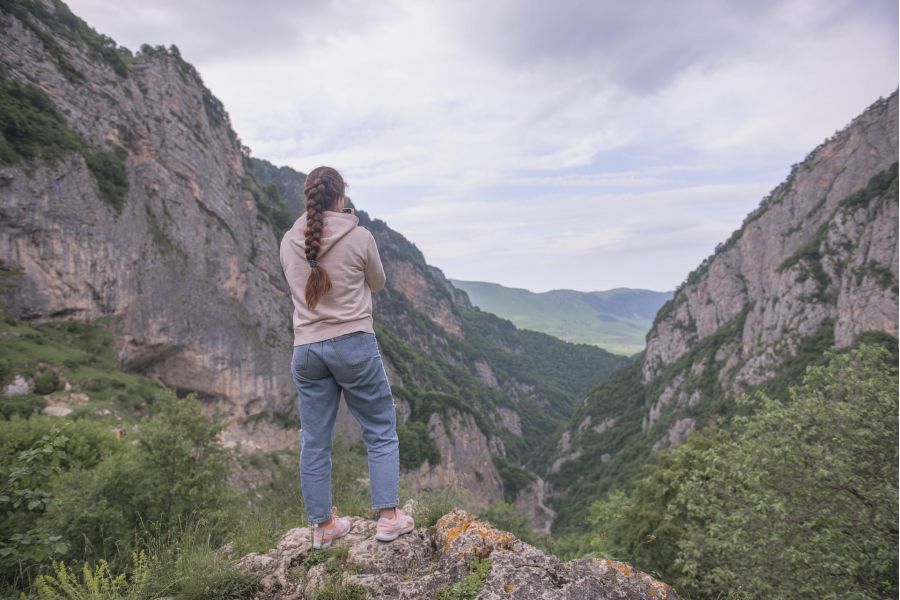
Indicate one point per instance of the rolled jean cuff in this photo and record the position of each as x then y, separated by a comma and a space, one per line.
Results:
380, 506
315, 521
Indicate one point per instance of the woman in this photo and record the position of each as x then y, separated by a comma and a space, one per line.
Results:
332, 267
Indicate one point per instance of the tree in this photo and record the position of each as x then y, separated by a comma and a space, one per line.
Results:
798, 500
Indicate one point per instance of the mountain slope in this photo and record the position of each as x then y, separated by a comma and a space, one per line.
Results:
815, 266
616, 320
127, 199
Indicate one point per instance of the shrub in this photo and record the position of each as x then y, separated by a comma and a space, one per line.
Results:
21, 405
108, 168
46, 382
470, 586
797, 500
31, 126
175, 473
23, 499
416, 446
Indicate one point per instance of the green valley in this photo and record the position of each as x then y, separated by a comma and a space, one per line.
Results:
616, 320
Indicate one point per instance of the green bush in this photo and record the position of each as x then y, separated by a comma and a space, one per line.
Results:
31, 126
86, 442
469, 586
505, 517
798, 500
46, 382
175, 473
416, 446
24, 497
108, 168
21, 405
514, 477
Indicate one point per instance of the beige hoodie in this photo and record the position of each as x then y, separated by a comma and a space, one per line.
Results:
349, 254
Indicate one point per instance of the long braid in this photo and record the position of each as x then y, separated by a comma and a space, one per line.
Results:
324, 186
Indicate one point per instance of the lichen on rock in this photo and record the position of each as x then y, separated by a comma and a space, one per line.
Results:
420, 564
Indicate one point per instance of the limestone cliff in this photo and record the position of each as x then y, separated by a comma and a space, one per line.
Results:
814, 267
184, 269
819, 255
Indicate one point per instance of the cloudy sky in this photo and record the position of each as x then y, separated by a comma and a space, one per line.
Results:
566, 144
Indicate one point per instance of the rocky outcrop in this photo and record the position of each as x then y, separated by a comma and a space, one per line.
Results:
421, 564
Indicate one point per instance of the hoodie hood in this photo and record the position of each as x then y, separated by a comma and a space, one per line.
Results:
337, 226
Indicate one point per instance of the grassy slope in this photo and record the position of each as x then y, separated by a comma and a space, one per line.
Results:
615, 320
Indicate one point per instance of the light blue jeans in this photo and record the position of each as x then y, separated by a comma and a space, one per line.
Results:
350, 363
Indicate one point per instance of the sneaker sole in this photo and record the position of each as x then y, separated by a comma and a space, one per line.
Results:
390, 537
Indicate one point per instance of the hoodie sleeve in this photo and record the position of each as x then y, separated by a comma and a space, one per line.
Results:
374, 270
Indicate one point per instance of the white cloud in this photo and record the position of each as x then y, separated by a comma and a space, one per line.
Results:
560, 132
614, 239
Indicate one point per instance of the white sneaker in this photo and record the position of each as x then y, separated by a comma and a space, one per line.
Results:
323, 536
388, 530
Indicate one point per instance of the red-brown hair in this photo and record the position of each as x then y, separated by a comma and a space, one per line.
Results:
323, 188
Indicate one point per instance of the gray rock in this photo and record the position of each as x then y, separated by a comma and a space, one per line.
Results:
417, 565
19, 385
465, 459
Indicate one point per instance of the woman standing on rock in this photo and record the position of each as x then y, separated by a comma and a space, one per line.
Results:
332, 267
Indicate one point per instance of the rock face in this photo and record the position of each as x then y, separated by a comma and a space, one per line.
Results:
420, 564
187, 272
465, 460
750, 268
814, 267
813, 258
184, 270
530, 503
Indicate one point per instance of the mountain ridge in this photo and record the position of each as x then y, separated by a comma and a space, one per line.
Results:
814, 267
616, 320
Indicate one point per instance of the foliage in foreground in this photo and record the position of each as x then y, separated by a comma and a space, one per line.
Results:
80, 494
95, 583
798, 500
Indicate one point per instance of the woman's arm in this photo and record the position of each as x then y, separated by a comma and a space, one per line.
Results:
375, 277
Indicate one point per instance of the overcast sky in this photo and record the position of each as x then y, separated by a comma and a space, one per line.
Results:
565, 144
